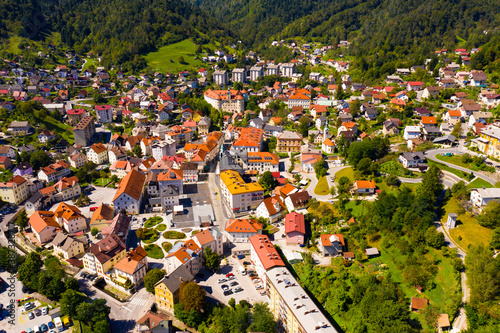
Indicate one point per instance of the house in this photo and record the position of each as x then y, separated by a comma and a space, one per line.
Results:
430, 92
318, 111
297, 200
295, 228
446, 141
364, 186
45, 136
23, 169
422, 111
187, 254
240, 230
66, 188
103, 255
44, 226
480, 197
14, 191
19, 127
154, 323
370, 111
331, 245
101, 217
477, 78
271, 208
132, 268
120, 168
428, 121
412, 159
263, 255
390, 126
34, 203
327, 146
70, 218
67, 246
130, 193
320, 122
104, 113
443, 322
167, 289
98, 153
411, 132
479, 116
371, 252
5, 162
262, 162
453, 117
8, 151
84, 131
239, 196
288, 142
418, 304
414, 86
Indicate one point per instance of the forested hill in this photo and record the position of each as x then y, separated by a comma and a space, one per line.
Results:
117, 29
400, 26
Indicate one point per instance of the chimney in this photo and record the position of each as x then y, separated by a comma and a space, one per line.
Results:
100, 248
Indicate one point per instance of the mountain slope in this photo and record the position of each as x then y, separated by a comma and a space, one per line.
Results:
118, 30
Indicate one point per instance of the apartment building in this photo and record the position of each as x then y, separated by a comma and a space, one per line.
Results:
238, 195
84, 131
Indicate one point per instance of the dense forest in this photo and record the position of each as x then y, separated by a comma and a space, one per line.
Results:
119, 31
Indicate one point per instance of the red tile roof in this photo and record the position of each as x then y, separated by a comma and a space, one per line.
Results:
295, 222
266, 252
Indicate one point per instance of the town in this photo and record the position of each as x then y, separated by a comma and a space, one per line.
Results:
163, 193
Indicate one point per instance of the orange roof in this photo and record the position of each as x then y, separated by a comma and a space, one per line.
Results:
398, 101
349, 124
266, 252
204, 237
171, 174
68, 212
328, 143
319, 108
223, 95
132, 261
18, 180
299, 96
263, 157
285, 189
429, 120
454, 113
103, 212
42, 219
243, 225
326, 239
418, 303
184, 256
47, 190
365, 184
276, 120
98, 148
131, 184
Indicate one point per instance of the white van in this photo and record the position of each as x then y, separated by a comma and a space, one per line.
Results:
36, 329
243, 271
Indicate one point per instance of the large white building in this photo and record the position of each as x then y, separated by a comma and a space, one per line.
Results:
97, 153
238, 195
240, 230
288, 69
225, 100
256, 73
262, 162
70, 218
480, 197
220, 77
104, 113
130, 193
239, 75
263, 255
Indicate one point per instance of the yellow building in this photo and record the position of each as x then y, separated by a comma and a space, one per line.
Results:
14, 191
240, 196
288, 142
489, 141
167, 290
293, 310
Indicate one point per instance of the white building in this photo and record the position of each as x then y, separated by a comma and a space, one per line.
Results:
130, 193
220, 78
256, 72
288, 69
132, 267
411, 132
240, 230
97, 153
480, 197
263, 255
239, 75
239, 196
104, 113
70, 218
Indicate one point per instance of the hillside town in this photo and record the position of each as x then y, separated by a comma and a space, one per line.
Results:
220, 177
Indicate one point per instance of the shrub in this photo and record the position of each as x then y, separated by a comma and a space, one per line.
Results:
174, 235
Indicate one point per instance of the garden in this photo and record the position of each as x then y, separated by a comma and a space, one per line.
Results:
152, 221
154, 251
174, 235
147, 235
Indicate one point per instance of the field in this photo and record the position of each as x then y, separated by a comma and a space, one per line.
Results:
347, 172
478, 183
89, 63
322, 187
468, 230
101, 181
456, 159
166, 59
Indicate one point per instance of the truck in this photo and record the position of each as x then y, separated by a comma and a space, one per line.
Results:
59, 324
243, 271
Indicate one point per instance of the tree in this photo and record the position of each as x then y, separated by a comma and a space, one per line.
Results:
320, 168
333, 191
303, 128
69, 302
262, 319
238, 86
152, 277
192, 296
137, 151
140, 233
71, 284
212, 259
29, 270
94, 232
434, 238
392, 180
267, 181
460, 191
364, 165
482, 272
40, 159
490, 216
22, 220
181, 60
355, 108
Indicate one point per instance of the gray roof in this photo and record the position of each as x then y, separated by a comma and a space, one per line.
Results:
174, 280
63, 241
35, 197
414, 156
273, 128
488, 193
371, 251
450, 138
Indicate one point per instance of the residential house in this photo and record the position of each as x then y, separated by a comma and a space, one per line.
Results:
67, 246
414, 86
5, 163
8, 151
479, 116
453, 117
331, 245
418, 304
430, 92
262, 162
391, 126
98, 153
66, 188
295, 228
117, 154
271, 208
240, 230
411, 132
480, 197
14, 191
70, 218
84, 131
130, 193
45, 136
297, 200
103, 255
364, 186
167, 289
478, 78
210, 238
23, 169
44, 226
186, 254
19, 128
318, 111
77, 160
132, 267
104, 113
289, 142
120, 168
412, 159
154, 323
101, 217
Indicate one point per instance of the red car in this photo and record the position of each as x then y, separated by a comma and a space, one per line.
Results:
93, 209
229, 274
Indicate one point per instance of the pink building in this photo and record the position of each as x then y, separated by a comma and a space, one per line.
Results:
295, 228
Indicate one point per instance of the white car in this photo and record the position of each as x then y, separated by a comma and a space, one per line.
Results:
256, 280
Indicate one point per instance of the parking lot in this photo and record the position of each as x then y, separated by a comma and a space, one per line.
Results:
249, 292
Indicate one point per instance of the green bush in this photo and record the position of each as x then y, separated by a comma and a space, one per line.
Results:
167, 246
161, 227
154, 251
152, 221
174, 235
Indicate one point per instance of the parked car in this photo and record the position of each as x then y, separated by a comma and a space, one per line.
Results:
221, 280
229, 274
263, 293
225, 287
241, 256
38, 313
256, 280
45, 310
231, 278
44, 328
238, 289
228, 292
234, 283
51, 325
259, 286
31, 315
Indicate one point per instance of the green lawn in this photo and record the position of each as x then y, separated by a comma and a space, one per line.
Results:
357, 209
150, 236
457, 160
166, 59
152, 221
347, 172
478, 183
5, 175
468, 229
154, 251
167, 246
101, 181
270, 229
456, 172
322, 187
161, 227
174, 235
89, 63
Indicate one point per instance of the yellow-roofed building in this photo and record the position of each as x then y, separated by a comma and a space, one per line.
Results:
240, 196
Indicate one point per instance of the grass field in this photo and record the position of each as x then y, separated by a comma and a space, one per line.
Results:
478, 183
89, 63
101, 181
322, 187
457, 160
161, 227
347, 172
456, 172
152, 221
167, 246
468, 229
154, 251
174, 235
166, 59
